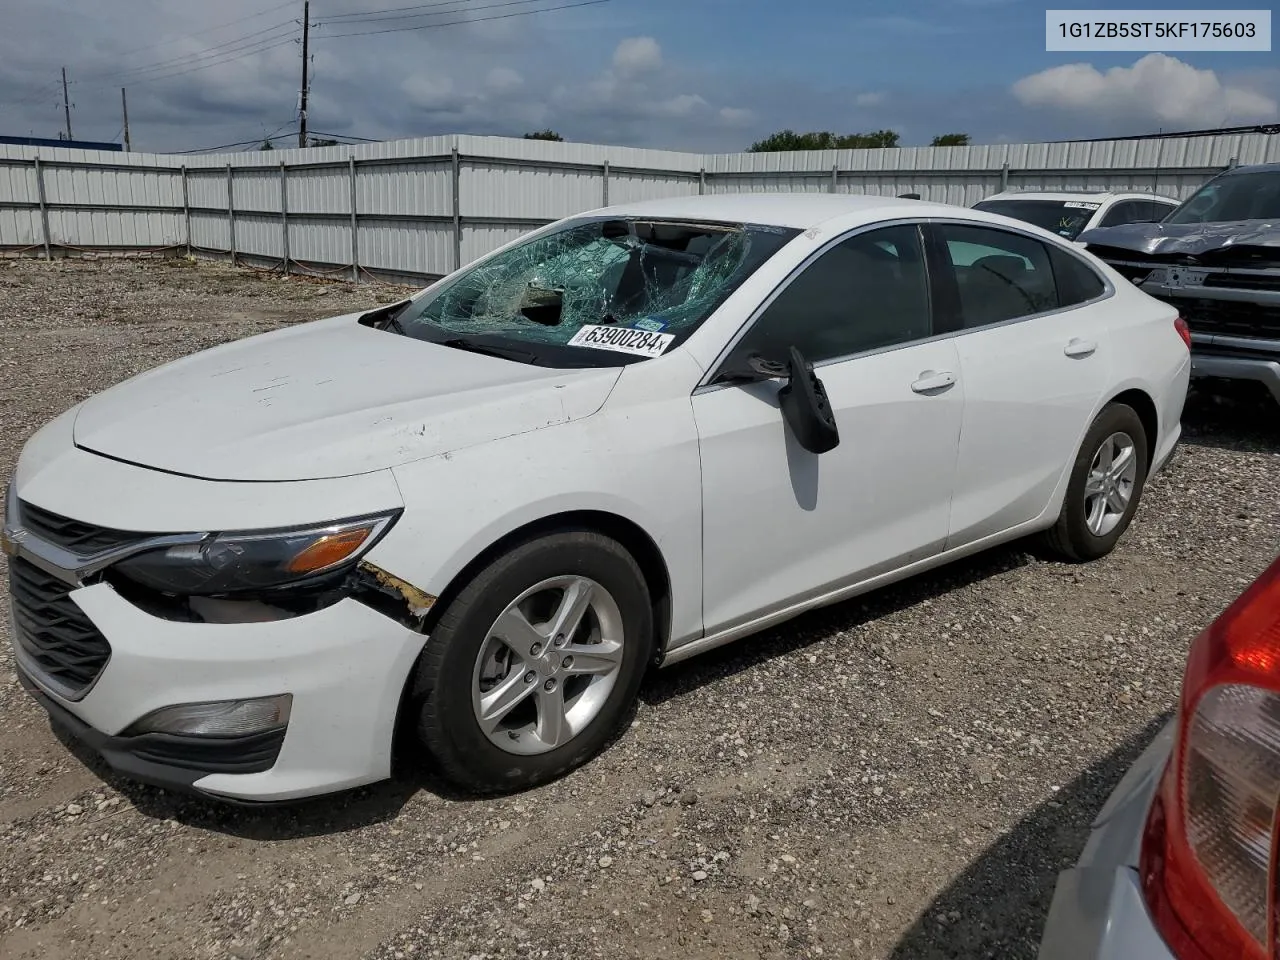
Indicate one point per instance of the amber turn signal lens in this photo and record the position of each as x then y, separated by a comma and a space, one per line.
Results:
329, 550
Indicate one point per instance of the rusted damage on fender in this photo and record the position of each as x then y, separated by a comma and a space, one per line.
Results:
414, 603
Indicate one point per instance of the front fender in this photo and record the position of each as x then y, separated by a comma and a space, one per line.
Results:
637, 462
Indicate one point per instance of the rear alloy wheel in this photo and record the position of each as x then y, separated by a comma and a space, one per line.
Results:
533, 666
1106, 485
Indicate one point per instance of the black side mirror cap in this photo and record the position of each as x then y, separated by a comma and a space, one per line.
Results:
806, 407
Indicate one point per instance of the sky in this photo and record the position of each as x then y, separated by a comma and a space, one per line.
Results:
697, 75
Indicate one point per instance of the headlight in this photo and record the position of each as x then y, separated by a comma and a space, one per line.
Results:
229, 563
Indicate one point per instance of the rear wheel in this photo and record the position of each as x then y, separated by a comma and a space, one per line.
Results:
1106, 485
534, 665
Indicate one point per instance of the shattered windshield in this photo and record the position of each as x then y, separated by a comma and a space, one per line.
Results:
594, 292
1239, 196
1066, 218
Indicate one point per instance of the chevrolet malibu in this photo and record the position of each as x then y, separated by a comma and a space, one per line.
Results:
477, 516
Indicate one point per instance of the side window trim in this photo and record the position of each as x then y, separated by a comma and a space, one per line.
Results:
937, 248
715, 368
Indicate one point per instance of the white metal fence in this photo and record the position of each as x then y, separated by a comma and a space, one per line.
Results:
416, 209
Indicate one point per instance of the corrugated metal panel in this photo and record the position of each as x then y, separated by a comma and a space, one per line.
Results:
478, 240
256, 190
319, 191
20, 228
320, 241
207, 188
407, 247
420, 189
536, 192
260, 235
209, 232
114, 228
630, 188
18, 185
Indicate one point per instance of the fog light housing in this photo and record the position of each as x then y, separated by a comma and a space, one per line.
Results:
221, 718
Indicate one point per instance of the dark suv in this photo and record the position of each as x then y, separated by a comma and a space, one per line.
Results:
1217, 259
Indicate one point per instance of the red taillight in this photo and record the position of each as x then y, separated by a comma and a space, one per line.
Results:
1184, 331
1208, 854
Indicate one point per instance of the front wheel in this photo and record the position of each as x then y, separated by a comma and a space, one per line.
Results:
533, 666
1106, 485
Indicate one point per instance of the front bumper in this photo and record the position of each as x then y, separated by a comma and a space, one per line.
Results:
1098, 912
345, 666
1259, 369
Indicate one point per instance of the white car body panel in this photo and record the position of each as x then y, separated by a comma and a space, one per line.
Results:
331, 420
326, 400
781, 524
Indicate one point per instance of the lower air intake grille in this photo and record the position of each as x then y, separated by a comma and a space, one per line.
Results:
57, 638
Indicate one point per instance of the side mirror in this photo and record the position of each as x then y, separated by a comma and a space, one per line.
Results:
806, 408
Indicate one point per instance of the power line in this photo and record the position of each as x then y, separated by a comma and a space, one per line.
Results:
239, 43
365, 14
419, 16
450, 23
262, 47
192, 36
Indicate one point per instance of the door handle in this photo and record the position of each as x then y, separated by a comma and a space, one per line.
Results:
1079, 348
930, 381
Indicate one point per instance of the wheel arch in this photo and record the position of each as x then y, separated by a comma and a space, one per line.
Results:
638, 542
1145, 407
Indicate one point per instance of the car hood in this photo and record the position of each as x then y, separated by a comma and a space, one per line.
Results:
1185, 239
327, 399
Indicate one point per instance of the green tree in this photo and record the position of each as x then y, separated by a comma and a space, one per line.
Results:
266, 145
823, 140
544, 135
950, 140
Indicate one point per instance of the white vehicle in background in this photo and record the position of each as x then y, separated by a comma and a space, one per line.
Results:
1069, 213
631, 436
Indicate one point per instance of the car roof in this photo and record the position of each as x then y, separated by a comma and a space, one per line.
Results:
797, 210
1253, 168
1079, 195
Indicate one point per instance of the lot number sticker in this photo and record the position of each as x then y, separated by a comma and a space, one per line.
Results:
643, 343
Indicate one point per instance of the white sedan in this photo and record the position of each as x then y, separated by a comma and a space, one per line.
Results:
479, 515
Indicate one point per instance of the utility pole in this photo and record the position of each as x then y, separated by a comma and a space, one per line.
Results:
124, 105
66, 103
302, 95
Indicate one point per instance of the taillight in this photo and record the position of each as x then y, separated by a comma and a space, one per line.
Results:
1184, 331
1209, 850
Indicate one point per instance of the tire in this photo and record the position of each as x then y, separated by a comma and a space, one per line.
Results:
1072, 538
472, 663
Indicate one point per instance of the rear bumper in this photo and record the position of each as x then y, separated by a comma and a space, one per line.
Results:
1098, 912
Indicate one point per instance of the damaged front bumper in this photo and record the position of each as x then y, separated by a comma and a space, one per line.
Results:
1233, 313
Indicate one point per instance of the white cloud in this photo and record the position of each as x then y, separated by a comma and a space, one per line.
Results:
637, 55
428, 92
736, 116
680, 105
503, 80
869, 99
1157, 88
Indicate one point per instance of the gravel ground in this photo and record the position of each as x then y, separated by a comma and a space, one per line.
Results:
900, 776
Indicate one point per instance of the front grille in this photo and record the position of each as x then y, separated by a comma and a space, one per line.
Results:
1228, 317
56, 636
82, 539
1244, 281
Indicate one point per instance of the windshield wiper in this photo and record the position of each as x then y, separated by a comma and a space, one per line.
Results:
505, 353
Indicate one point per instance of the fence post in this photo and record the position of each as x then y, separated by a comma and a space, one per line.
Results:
606, 184
231, 217
186, 208
1004, 176
284, 217
702, 181
1233, 163
44, 207
835, 177
355, 236
457, 211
